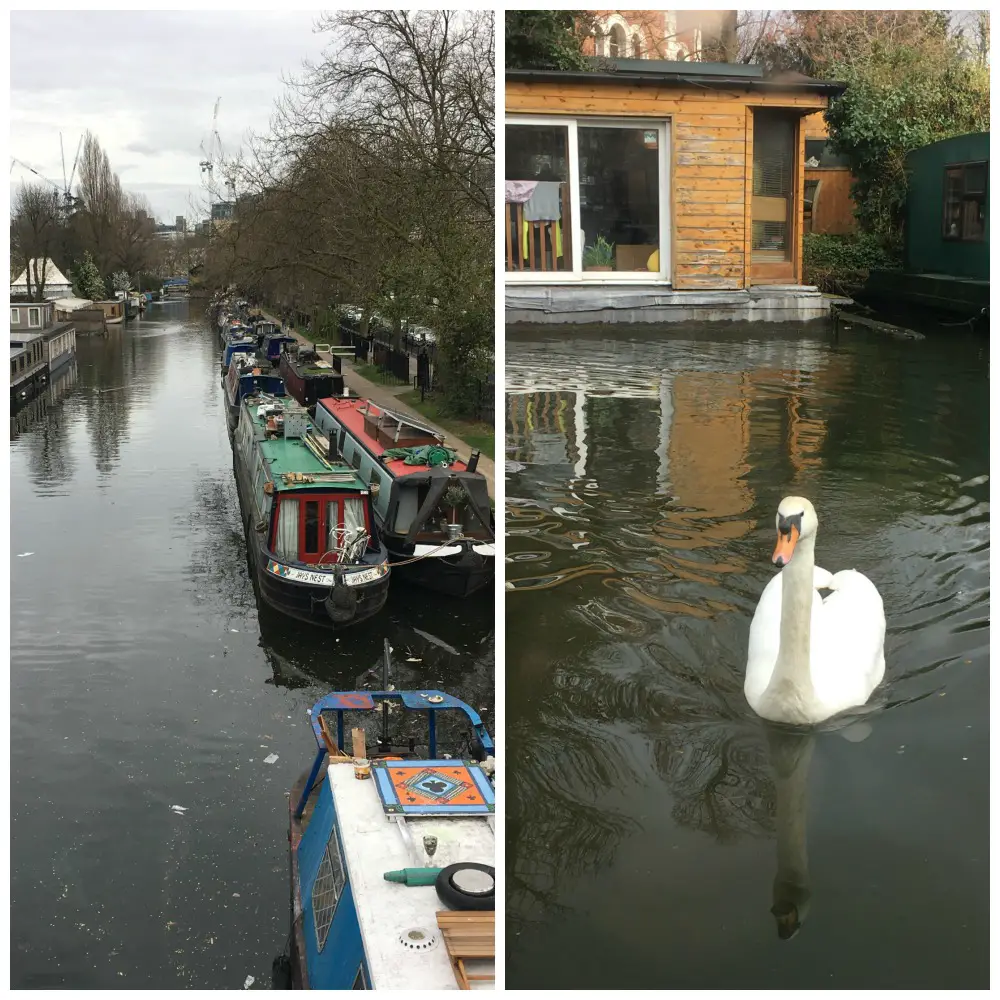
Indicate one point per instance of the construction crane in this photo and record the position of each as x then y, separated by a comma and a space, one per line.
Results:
65, 191
212, 154
68, 184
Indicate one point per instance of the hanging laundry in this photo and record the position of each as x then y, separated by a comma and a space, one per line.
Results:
518, 192
544, 205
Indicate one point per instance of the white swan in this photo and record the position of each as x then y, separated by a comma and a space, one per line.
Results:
810, 657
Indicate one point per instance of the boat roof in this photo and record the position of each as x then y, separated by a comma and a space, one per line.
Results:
351, 413
286, 455
373, 843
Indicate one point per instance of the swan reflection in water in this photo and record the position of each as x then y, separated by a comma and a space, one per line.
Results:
791, 754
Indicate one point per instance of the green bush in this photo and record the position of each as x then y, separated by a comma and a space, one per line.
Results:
840, 264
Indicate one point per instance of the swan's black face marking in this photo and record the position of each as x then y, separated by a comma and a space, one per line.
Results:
789, 530
785, 524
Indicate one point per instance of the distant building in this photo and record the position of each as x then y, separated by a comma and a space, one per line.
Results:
164, 232
57, 286
678, 35
180, 224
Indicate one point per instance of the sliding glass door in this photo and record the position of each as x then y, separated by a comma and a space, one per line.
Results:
586, 200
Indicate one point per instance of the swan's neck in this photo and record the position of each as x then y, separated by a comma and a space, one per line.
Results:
792, 677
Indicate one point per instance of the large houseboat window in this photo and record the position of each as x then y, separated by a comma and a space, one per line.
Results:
965, 202
311, 538
286, 544
15, 316
327, 889
34, 317
536, 196
619, 197
585, 198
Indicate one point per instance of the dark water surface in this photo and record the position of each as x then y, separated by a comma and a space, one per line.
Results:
653, 822
143, 676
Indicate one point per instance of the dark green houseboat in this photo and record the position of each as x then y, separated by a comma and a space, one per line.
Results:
947, 235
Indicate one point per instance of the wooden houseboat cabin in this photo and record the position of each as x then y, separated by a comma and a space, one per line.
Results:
657, 191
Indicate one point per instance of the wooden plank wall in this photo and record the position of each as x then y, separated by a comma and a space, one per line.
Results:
711, 164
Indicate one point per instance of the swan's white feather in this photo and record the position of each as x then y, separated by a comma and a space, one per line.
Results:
847, 636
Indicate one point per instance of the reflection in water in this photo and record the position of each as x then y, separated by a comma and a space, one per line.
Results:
791, 754
50, 457
642, 480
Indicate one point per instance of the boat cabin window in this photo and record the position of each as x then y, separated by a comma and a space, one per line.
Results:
318, 529
327, 889
310, 540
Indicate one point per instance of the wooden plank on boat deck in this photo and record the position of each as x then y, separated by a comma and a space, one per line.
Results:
358, 743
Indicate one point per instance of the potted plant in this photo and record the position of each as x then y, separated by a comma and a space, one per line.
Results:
600, 256
453, 502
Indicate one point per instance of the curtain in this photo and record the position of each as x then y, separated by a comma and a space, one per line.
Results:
354, 527
287, 543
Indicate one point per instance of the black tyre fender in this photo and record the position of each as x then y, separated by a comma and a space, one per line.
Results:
458, 899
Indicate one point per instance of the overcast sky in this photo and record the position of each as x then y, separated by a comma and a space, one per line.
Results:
146, 84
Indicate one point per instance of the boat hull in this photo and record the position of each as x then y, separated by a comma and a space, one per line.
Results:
456, 576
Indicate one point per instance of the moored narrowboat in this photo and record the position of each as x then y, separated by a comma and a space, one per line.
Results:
311, 532
243, 380
392, 876
245, 349
309, 377
433, 510
271, 346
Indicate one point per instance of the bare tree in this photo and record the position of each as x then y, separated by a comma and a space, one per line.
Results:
101, 193
35, 228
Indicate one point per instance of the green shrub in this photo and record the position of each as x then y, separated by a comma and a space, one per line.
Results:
840, 264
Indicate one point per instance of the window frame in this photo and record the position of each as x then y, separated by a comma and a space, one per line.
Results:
665, 188
15, 315
38, 317
965, 196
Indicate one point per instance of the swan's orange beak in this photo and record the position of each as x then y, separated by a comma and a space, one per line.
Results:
785, 547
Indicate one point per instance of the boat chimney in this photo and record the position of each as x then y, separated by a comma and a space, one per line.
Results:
473, 461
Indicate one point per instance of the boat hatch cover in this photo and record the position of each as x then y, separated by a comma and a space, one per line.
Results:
433, 788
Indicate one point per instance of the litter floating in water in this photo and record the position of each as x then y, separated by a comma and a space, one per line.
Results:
234, 630
180, 810
21, 555
270, 758
248, 982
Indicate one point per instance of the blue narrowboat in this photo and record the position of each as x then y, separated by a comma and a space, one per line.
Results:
392, 877
244, 380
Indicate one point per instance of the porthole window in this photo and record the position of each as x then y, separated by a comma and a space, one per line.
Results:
327, 889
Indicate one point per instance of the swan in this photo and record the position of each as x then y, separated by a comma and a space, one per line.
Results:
811, 657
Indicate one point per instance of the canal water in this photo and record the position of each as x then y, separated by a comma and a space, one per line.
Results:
143, 676
658, 835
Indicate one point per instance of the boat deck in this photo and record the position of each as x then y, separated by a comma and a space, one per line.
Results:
352, 412
373, 844
290, 455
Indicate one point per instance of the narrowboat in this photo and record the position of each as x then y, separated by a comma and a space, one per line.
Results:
433, 511
391, 847
271, 346
264, 328
244, 380
312, 539
244, 348
309, 377
234, 330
